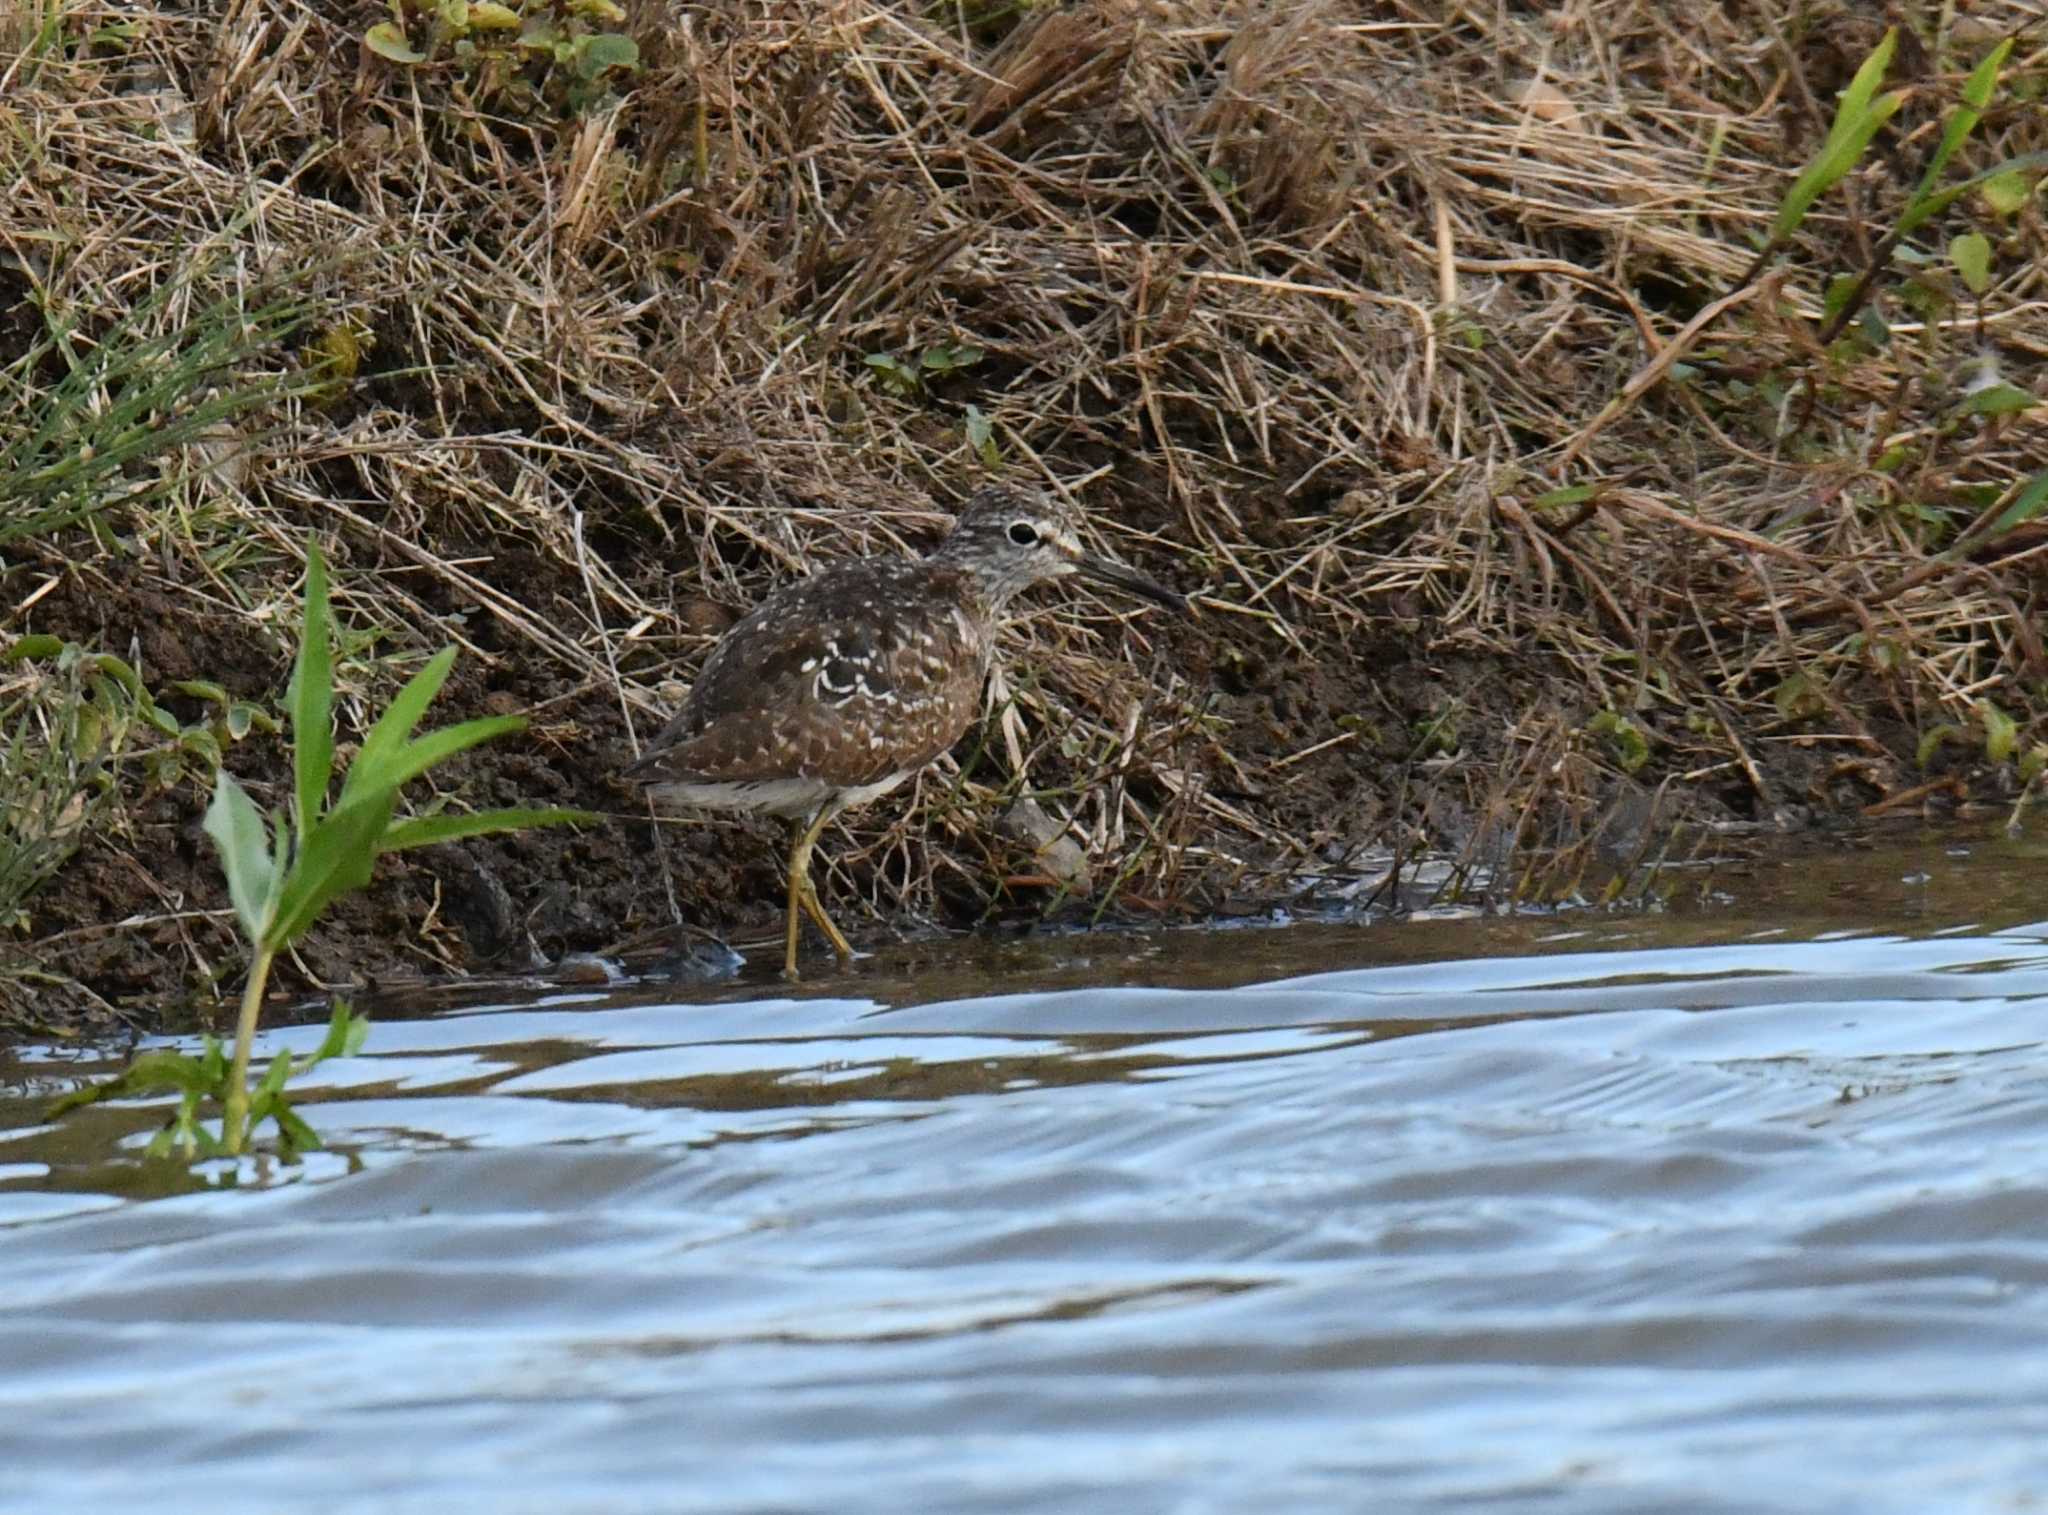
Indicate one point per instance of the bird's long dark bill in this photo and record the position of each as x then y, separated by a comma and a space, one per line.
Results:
1123, 578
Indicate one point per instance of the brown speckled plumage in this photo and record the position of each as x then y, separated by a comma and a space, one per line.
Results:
844, 679
839, 687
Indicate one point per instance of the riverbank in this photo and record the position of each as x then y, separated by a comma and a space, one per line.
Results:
1529, 519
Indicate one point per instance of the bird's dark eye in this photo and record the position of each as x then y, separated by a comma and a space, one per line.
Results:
1023, 533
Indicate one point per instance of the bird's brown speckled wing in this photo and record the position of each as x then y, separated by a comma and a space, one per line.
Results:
848, 677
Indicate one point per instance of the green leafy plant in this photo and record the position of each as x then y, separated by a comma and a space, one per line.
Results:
1627, 740
284, 872
981, 436
280, 885
204, 1079
562, 53
70, 716
1860, 113
59, 728
128, 399
906, 377
121, 701
2001, 732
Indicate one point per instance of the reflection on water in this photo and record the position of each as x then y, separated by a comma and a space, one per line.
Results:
1735, 1208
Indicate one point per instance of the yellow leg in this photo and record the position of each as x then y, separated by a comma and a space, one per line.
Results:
803, 895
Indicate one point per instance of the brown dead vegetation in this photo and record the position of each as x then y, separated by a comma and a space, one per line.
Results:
1311, 304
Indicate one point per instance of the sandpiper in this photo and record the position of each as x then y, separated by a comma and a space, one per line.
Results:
837, 688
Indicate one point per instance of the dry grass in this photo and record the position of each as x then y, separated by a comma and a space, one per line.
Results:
1311, 304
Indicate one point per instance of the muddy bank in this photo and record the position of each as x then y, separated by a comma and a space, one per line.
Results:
1338, 736
1363, 335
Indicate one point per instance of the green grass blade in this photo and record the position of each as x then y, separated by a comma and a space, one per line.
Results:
1839, 151
311, 699
126, 402
238, 831
1862, 89
1976, 95
387, 738
1835, 160
427, 830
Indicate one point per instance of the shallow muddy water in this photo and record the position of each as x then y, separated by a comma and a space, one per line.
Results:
1741, 1206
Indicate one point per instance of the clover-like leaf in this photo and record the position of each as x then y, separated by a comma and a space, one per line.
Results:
387, 40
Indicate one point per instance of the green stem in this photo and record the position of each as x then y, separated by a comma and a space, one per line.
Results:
235, 1117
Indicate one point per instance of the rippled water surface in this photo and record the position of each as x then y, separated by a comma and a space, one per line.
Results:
1740, 1207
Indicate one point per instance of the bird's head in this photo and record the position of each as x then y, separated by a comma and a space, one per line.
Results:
1011, 539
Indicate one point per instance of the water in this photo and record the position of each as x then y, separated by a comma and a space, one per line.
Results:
1736, 1208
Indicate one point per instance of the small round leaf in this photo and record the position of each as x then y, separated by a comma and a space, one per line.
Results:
386, 40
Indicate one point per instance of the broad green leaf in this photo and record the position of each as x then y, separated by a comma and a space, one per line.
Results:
237, 829
198, 742
117, 669
981, 437
184, 1131
372, 765
1999, 400
1631, 746
310, 698
607, 50
490, 16
338, 857
202, 689
1862, 88
2007, 191
1857, 119
388, 40
42, 646
1798, 697
424, 831
2027, 504
150, 1073
274, 1077
1834, 164
1971, 254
